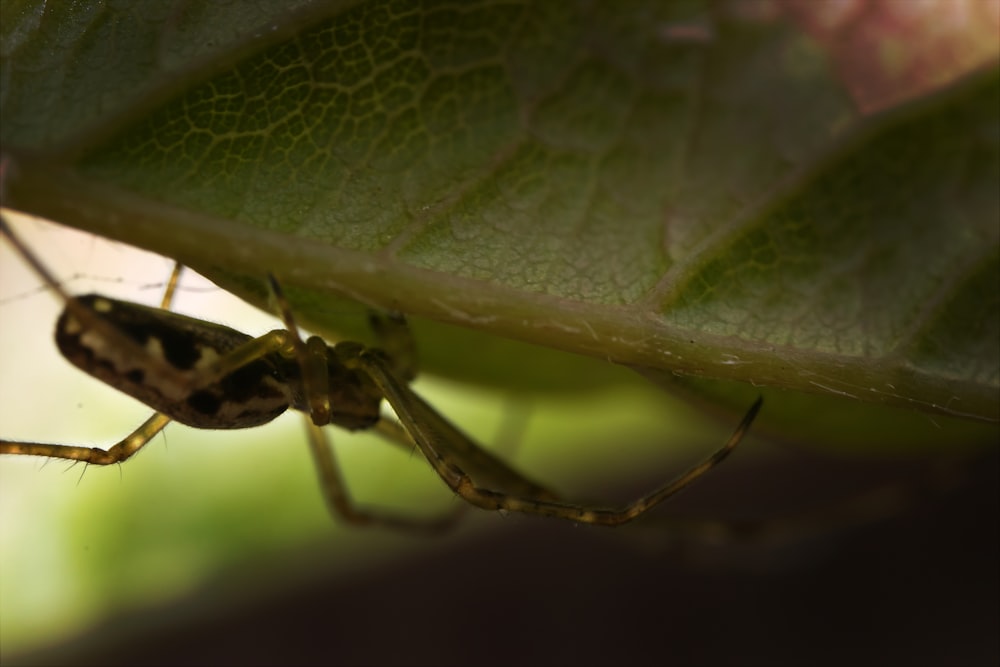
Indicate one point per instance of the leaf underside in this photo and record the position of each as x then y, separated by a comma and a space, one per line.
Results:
664, 186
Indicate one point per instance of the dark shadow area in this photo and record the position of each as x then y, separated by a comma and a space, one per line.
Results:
917, 588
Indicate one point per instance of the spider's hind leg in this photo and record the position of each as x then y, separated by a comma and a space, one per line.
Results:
488, 483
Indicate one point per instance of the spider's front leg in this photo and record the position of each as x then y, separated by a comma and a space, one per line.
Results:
490, 484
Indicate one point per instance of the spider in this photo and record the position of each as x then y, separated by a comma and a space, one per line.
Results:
210, 376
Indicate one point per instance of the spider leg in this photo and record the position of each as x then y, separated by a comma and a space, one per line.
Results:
128, 445
109, 337
137, 439
443, 445
341, 504
312, 359
395, 434
311, 356
94, 455
507, 439
172, 282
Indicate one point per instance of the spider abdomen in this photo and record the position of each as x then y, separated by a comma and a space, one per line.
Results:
251, 395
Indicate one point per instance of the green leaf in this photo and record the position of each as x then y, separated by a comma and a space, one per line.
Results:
665, 186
